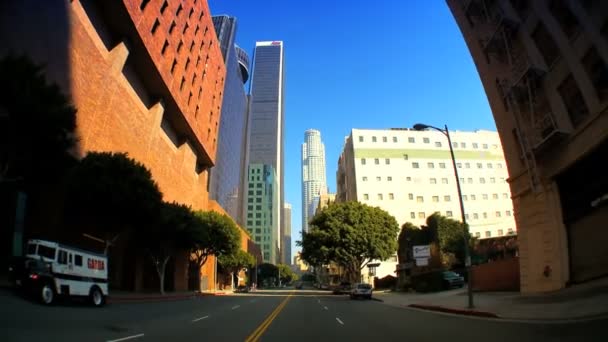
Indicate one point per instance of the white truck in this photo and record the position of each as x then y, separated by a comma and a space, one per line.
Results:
50, 269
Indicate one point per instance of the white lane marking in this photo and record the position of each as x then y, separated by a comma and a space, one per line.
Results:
200, 318
126, 338
236, 307
339, 321
325, 307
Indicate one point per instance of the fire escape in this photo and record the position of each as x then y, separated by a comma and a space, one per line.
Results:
519, 81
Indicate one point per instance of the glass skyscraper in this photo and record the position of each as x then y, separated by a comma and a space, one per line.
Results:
262, 204
228, 174
266, 121
314, 179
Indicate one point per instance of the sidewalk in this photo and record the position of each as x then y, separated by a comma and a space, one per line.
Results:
134, 297
584, 301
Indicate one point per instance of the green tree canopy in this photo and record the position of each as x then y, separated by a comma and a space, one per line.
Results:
236, 261
37, 124
112, 193
287, 275
409, 236
350, 234
450, 235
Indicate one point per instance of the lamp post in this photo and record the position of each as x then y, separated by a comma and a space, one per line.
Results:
446, 132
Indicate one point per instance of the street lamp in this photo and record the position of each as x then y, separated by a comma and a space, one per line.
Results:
446, 132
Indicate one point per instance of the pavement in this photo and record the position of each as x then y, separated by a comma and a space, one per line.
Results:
266, 315
586, 301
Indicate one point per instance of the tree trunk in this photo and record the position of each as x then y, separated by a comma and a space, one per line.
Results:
160, 269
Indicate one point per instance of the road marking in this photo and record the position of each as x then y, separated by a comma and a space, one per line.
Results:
127, 338
200, 318
325, 307
257, 333
339, 321
236, 307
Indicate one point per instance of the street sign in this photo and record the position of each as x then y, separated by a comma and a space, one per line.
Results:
422, 251
422, 261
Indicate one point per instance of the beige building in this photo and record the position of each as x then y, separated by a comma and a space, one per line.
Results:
543, 66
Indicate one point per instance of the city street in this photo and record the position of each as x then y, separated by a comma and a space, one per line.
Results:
268, 316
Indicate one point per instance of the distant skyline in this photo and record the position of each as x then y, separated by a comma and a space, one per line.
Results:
356, 64
314, 173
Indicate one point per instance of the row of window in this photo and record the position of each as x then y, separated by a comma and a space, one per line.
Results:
447, 198
391, 196
475, 216
428, 141
431, 165
469, 180
500, 232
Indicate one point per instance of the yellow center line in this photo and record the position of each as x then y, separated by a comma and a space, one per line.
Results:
257, 333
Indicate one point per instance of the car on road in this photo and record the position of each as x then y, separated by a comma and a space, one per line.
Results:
242, 289
361, 290
452, 279
343, 288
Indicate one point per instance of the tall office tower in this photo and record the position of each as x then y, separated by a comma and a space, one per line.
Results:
228, 174
286, 250
266, 119
314, 180
543, 65
262, 201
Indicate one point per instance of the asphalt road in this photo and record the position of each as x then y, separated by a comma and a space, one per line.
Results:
269, 316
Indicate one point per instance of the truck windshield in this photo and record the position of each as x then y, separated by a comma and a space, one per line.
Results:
31, 248
47, 252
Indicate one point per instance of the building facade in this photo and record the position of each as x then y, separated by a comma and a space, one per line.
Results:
543, 65
266, 118
146, 78
262, 200
228, 175
286, 236
314, 177
409, 174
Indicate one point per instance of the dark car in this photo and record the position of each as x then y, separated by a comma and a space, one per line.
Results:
242, 289
452, 279
343, 288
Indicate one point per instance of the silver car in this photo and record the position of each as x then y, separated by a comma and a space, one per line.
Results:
361, 290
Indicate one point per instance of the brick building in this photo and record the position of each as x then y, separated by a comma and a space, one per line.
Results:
146, 77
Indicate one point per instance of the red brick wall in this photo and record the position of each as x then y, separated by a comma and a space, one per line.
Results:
501, 275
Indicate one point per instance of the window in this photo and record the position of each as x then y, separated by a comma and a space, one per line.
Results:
391, 196
155, 26
465, 198
499, 165
365, 179
485, 215
508, 212
415, 165
437, 144
444, 180
473, 197
567, 21
477, 234
362, 161
380, 197
373, 139
360, 138
448, 213
498, 214
492, 180
164, 7
488, 234
250, 200
597, 71
258, 215
143, 4
470, 180
250, 192
77, 260
378, 178
459, 165
494, 196
258, 223
430, 165
466, 216
479, 165
505, 195
47, 252
249, 223
461, 180
475, 145
412, 214
259, 192
454, 144
489, 165
545, 44
408, 179
405, 156
376, 161
258, 200
475, 216
249, 207
410, 196
394, 139
463, 145
433, 180
482, 180
411, 140
165, 46
435, 198
419, 199
62, 257
186, 27
484, 196
258, 207
384, 139
447, 198
365, 196
389, 178
442, 165
467, 165
502, 180
387, 161
500, 232
421, 215
485, 146
426, 140
259, 185
179, 10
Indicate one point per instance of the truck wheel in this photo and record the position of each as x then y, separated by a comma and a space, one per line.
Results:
96, 297
47, 294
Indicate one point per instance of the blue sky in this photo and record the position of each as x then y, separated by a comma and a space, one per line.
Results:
362, 64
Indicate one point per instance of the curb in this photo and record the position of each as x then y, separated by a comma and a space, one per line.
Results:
455, 311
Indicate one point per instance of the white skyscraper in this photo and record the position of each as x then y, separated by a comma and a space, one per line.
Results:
314, 180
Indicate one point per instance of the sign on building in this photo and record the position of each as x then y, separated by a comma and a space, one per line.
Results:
422, 251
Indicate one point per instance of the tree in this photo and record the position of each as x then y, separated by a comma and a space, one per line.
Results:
286, 274
212, 234
169, 234
112, 193
37, 124
350, 234
409, 236
233, 263
267, 272
450, 235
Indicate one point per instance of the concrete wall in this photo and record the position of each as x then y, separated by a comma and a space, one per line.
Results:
501, 275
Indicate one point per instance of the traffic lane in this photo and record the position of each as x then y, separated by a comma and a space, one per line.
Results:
235, 324
367, 319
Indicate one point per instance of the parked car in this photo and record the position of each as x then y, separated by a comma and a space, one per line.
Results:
452, 279
343, 288
361, 290
299, 285
242, 289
